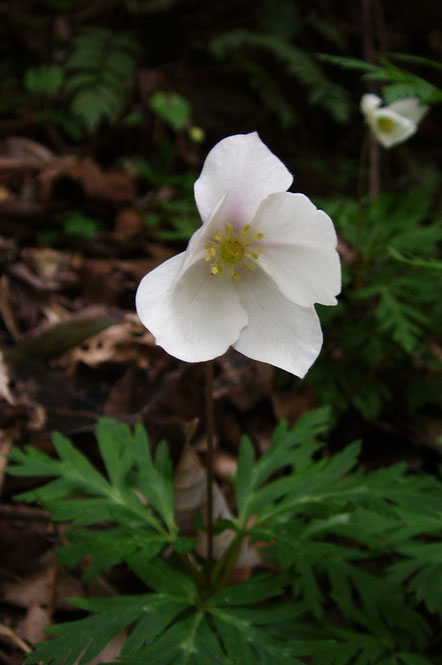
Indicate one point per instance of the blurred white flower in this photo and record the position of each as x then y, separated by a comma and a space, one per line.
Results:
252, 272
394, 123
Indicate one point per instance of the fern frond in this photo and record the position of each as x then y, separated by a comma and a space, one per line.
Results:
99, 71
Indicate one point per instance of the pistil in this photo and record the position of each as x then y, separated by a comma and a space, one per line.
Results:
230, 248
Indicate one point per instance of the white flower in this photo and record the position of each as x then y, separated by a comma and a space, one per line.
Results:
394, 123
252, 272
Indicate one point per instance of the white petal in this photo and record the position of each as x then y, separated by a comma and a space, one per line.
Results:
299, 249
196, 248
369, 103
409, 107
402, 130
197, 319
244, 170
279, 332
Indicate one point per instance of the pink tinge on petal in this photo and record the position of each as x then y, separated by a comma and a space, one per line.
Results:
243, 170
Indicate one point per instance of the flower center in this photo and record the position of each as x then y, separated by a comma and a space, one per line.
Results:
228, 249
386, 124
232, 250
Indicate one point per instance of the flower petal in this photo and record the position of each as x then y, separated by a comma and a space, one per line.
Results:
299, 249
401, 130
369, 103
197, 319
409, 107
279, 332
196, 248
244, 170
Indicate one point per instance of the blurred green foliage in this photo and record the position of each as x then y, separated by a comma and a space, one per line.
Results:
385, 326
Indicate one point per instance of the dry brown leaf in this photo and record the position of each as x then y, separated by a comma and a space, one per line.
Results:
32, 626
49, 263
225, 464
291, 404
116, 186
190, 498
5, 379
36, 589
18, 153
7, 438
13, 638
125, 342
244, 381
56, 339
7, 309
128, 223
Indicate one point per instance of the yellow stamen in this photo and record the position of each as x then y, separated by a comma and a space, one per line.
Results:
386, 124
232, 248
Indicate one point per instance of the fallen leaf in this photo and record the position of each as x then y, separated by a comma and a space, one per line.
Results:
244, 381
124, 342
32, 627
58, 338
116, 186
128, 223
291, 404
190, 499
5, 380
36, 589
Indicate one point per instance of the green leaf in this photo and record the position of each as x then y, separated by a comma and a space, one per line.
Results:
100, 70
155, 483
174, 109
252, 591
108, 548
165, 578
44, 80
114, 501
81, 641
243, 480
299, 64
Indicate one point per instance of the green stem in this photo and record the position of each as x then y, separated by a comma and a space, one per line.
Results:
209, 469
226, 564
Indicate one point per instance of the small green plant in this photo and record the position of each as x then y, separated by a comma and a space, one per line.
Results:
99, 73
45, 80
390, 302
243, 47
398, 82
74, 224
174, 109
77, 224
175, 218
354, 578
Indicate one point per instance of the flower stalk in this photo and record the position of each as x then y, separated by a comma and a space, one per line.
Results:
209, 469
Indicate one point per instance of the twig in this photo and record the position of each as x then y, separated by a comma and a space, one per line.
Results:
7, 632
